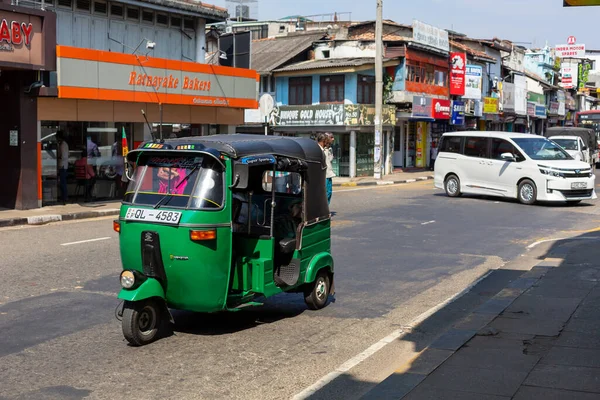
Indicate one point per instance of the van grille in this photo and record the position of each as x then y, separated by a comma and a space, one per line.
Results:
577, 175
570, 194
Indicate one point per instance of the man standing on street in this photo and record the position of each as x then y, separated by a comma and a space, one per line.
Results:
325, 140
63, 164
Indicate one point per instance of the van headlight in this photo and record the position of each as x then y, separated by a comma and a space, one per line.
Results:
127, 279
552, 173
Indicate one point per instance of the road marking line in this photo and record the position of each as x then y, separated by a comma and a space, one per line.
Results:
85, 241
428, 222
397, 334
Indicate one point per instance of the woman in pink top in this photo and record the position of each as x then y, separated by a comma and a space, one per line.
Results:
170, 178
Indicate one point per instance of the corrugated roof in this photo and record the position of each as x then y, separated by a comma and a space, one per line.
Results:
471, 51
269, 54
207, 11
329, 63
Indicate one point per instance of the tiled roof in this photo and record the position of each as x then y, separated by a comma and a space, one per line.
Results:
207, 11
329, 63
269, 54
471, 51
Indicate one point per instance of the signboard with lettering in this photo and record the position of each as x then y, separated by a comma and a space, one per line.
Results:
458, 113
490, 105
569, 76
21, 38
430, 36
421, 107
441, 109
580, 3
119, 77
540, 111
473, 82
330, 114
569, 50
458, 62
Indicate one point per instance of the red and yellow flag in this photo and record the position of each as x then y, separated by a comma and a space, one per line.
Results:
124, 144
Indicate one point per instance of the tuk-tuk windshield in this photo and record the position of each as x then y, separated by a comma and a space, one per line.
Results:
177, 181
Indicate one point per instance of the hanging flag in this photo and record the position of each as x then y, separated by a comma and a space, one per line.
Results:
124, 144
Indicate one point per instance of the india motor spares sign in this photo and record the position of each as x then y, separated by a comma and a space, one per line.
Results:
458, 62
569, 50
473, 82
441, 109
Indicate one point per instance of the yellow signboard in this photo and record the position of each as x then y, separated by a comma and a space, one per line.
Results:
421, 158
580, 3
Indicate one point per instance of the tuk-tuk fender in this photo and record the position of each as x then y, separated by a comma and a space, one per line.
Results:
149, 288
318, 262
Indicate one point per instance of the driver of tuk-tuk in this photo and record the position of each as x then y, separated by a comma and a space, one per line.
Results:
286, 224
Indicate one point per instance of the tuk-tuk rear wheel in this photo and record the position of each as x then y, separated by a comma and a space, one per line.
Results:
141, 321
316, 297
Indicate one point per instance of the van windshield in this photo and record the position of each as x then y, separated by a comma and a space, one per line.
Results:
180, 182
538, 148
567, 144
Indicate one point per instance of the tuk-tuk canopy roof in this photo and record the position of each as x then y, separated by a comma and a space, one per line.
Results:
242, 145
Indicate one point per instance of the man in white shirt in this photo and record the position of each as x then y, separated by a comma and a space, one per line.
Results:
63, 165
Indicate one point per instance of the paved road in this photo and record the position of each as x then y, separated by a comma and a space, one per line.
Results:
399, 251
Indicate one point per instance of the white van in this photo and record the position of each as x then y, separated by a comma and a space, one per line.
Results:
527, 167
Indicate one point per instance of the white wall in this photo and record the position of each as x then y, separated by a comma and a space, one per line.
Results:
345, 50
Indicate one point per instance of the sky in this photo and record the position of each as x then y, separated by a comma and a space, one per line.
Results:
531, 22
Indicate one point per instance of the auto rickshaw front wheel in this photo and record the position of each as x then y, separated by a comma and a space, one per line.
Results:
318, 293
142, 321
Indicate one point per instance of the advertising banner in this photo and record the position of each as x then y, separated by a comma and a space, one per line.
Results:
508, 97
458, 62
430, 36
473, 82
520, 94
441, 109
420, 144
490, 105
458, 113
421, 107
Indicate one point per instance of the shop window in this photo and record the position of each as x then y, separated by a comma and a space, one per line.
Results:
452, 144
148, 16
133, 13
65, 3
300, 90
83, 5
100, 7
116, 10
176, 22
440, 78
476, 147
188, 24
162, 19
264, 84
366, 90
332, 89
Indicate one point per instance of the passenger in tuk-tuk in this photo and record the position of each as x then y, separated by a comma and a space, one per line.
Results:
286, 224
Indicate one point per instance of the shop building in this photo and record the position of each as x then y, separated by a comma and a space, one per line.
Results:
27, 55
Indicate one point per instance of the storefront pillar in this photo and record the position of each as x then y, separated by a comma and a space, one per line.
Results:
200, 40
353, 154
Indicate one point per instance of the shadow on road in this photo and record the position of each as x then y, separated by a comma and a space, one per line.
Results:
496, 292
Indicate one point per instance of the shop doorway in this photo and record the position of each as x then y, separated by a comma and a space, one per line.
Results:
410, 145
398, 156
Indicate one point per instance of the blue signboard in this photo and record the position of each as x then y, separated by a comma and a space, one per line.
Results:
540, 111
458, 113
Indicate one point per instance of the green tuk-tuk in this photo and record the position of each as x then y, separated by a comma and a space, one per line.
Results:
215, 223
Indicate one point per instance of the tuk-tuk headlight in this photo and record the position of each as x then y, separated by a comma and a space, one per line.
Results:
127, 279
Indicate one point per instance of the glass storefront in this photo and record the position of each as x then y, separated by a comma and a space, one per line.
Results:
341, 154
365, 160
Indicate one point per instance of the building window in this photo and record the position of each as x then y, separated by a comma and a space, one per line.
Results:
133, 13
83, 5
366, 90
147, 16
332, 89
326, 53
188, 24
425, 73
65, 3
162, 19
176, 22
100, 8
116, 10
300, 91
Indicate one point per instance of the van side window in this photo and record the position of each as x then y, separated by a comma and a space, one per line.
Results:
501, 146
451, 144
476, 147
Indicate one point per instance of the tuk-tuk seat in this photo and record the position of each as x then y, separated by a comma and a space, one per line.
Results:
287, 246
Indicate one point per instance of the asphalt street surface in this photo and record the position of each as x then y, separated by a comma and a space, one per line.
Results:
400, 253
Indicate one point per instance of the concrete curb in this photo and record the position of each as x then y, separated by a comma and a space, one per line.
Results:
46, 219
397, 386
380, 183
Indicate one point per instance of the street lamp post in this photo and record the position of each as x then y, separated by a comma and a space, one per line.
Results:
378, 91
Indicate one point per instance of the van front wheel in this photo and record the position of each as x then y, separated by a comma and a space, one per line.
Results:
527, 192
452, 186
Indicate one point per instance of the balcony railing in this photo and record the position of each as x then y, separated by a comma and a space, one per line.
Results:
37, 4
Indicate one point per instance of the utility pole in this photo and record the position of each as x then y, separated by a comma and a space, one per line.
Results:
378, 90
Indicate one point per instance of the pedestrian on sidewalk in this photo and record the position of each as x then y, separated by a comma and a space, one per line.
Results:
433, 153
63, 165
325, 140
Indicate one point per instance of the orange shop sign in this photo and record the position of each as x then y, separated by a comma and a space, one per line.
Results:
99, 75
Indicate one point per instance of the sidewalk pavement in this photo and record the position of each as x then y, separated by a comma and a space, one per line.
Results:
537, 339
68, 212
395, 178
44, 215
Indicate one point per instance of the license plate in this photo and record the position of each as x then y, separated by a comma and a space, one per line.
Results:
163, 217
579, 185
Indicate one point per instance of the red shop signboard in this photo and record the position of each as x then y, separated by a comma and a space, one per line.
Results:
441, 109
458, 65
